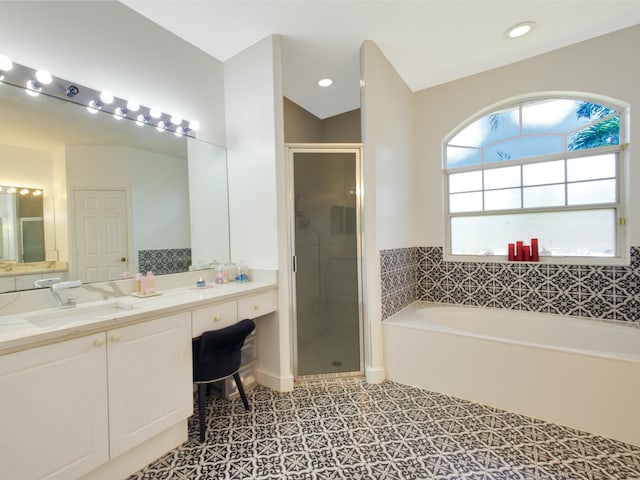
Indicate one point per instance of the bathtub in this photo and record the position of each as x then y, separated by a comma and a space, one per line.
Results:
573, 371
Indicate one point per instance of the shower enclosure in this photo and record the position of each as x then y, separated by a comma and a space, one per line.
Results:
326, 242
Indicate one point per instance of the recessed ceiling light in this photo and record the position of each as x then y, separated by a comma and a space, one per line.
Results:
325, 82
519, 30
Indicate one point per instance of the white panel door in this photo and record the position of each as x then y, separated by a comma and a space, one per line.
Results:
101, 234
150, 379
54, 414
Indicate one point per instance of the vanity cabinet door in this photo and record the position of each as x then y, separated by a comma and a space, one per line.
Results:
54, 413
150, 379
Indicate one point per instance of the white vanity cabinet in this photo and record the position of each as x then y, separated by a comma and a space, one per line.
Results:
69, 407
150, 379
53, 410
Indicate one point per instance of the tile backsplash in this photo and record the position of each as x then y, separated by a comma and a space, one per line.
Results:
163, 261
609, 292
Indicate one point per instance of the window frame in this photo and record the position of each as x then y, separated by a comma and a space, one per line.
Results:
622, 188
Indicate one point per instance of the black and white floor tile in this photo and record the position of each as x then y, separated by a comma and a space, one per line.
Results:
348, 429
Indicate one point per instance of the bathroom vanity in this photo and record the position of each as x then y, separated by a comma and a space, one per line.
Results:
102, 389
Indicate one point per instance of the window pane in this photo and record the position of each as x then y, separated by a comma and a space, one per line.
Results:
465, 202
524, 147
576, 233
489, 129
465, 182
601, 191
591, 168
502, 199
463, 157
543, 173
604, 133
551, 116
546, 196
502, 178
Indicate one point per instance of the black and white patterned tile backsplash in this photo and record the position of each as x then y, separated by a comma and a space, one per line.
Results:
163, 261
609, 292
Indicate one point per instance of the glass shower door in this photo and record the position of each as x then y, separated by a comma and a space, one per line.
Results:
326, 236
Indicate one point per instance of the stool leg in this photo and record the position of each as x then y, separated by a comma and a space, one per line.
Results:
236, 377
201, 409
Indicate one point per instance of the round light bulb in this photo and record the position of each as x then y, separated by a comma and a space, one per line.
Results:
32, 89
176, 119
5, 63
11, 190
24, 191
106, 97
141, 120
155, 113
44, 77
93, 107
119, 113
37, 193
179, 132
194, 125
161, 126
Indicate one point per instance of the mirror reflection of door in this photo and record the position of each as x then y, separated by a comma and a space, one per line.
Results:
100, 234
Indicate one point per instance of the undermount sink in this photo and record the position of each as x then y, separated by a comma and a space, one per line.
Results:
78, 313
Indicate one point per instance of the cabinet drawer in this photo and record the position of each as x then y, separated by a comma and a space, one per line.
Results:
213, 318
256, 305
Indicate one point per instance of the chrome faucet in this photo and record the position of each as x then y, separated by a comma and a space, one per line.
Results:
70, 302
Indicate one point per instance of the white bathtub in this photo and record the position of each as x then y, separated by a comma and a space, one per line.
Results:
572, 371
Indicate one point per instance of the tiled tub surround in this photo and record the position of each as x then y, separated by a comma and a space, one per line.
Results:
401, 273
608, 292
163, 261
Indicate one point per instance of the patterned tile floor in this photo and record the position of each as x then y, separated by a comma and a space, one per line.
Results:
348, 429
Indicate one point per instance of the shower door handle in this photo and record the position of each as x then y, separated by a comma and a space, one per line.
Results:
295, 264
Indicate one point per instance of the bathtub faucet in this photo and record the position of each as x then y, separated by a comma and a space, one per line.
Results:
70, 302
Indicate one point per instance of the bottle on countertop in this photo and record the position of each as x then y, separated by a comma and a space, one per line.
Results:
150, 283
139, 283
241, 275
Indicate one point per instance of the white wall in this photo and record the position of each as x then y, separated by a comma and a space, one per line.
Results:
606, 66
255, 153
388, 185
106, 45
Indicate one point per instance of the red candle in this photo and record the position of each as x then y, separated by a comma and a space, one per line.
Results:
512, 252
527, 253
519, 252
534, 250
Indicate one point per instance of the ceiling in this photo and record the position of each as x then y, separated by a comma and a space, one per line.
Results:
428, 42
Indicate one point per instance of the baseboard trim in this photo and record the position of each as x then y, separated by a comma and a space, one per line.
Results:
374, 374
274, 382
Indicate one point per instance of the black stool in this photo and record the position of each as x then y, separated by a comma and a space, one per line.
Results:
216, 356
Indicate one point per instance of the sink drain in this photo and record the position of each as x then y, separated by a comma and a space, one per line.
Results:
336, 363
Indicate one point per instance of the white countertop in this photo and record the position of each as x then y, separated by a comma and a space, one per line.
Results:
26, 330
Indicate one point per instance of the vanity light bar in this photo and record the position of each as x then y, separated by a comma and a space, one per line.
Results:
35, 192
36, 82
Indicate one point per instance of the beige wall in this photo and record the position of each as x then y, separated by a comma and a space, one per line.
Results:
604, 66
301, 126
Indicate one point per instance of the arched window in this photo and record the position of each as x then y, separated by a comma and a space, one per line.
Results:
545, 168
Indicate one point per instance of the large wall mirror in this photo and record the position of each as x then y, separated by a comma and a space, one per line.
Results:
116, 198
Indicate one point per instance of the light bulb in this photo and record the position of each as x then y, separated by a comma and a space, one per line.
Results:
155, 113
141, 120
24, 191
519, 30
179, 131
37, 193
44, 77
11, 190
33, 88
176, 119
162, 126
194, 125
325, 82
119, 113
94, 106
5, 64
106, 97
